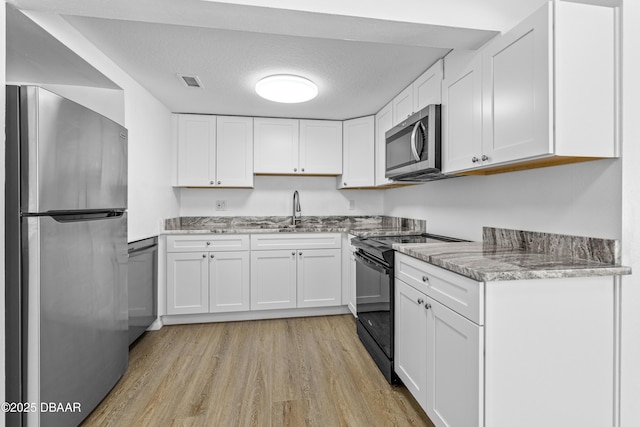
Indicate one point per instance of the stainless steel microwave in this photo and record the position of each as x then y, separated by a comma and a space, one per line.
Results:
413, 148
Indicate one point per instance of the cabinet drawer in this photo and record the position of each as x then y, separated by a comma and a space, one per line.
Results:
208, 242
459, 293
296, 241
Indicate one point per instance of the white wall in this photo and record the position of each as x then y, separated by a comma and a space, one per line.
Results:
630, 386
151, 198
580, 199
273, 196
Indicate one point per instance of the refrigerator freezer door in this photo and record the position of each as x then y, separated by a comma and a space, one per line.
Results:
72, 157
77, 329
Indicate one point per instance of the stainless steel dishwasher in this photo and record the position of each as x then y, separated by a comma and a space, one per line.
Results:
143, 285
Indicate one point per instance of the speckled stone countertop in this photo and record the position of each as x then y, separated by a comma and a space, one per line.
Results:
510, 255
362, 226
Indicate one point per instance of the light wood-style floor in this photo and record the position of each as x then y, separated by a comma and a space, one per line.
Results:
284, 372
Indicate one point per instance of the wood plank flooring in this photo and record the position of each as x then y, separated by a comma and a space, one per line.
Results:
283, 372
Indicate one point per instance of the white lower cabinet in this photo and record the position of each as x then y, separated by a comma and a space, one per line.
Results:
296, 270
293, 278
204, 279
506, 353
187, 283
410, 357
454, 367
273, 279
437, 353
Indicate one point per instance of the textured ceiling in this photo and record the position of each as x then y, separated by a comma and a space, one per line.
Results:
358, 57
354, 78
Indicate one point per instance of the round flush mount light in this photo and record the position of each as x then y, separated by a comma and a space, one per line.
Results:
286, 88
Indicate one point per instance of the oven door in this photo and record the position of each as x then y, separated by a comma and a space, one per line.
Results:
374, 300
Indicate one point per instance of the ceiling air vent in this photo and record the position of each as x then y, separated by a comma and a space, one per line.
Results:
190, 81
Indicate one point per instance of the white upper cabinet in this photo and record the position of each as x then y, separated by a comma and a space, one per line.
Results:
427, 89
214, 151
320, 147
462, 111
384, 122
276, 146
290, 146
234, 151
358, 167
403, 105
541, 82
196, 150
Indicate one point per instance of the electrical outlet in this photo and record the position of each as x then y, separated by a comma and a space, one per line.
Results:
352, 205
221, 205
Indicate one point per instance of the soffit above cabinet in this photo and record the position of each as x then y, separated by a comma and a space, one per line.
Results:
34, 56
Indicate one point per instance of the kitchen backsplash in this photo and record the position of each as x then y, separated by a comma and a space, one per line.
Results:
587, 248
363, 221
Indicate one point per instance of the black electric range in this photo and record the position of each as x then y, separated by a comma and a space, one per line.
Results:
375, 294
381, 247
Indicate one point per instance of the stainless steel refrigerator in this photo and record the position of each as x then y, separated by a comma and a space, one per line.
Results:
66, 257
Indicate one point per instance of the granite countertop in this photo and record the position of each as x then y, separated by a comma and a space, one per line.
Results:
361, 226
497, 261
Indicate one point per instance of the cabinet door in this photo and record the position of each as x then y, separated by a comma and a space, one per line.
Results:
320, 147
516, 91
410, 358
234, 151
455, 360
196, 150
187, 283
319, 278
358, 169
384, 122
229, 287
427, 89
275, 146
403, 105
462, 117
273, 279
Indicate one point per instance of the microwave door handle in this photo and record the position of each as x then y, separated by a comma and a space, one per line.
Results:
414, 149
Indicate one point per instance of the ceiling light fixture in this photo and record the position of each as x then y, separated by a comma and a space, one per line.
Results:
286, 88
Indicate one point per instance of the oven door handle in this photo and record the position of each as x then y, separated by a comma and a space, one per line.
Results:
371, 264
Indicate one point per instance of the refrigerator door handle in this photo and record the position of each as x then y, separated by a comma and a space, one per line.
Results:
94, 216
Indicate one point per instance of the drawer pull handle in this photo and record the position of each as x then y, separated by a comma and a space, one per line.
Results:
420, 301
425, 279
427, 306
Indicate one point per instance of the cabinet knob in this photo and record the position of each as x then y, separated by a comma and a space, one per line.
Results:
302, 169
295, 169
208, 243
210, 182
219, 182
427, 306
425, 279
344, 183
484, 157
204, 255
300, 253
420, 301
293, 253
474, 159
211, 256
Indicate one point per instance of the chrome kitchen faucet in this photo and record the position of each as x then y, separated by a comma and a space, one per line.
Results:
296, 216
